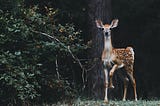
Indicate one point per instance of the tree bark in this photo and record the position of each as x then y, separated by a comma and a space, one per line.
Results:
97, 9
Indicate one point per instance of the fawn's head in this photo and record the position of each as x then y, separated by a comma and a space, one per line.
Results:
106, 28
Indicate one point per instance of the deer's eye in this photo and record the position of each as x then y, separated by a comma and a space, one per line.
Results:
102, 29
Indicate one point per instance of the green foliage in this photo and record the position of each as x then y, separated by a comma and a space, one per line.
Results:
27, 56
19, 75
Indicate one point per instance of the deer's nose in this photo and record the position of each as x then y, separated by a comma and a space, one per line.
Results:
106, 34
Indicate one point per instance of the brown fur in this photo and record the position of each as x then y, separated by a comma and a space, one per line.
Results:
124, 56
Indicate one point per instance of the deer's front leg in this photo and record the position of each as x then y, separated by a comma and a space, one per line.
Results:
106, 85
111, 75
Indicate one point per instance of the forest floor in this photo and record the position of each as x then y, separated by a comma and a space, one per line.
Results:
111, 103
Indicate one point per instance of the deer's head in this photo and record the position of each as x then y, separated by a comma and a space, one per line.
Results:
106, 28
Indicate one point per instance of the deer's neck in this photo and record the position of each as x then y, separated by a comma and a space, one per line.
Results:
108, 45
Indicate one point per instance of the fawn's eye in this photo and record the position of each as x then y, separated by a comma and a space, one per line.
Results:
102, 29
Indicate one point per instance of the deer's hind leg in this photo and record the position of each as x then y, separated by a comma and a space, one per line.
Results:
133, 81
125, 80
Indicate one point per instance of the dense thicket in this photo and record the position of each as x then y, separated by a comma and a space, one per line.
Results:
37, 52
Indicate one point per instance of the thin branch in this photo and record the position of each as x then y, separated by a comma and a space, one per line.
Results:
80, 64
91, 67
52, 37
56, 62
75, 58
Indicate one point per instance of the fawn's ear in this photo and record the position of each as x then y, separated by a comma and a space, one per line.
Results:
114, 23
99, 23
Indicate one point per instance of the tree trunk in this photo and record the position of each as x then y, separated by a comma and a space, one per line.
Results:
97, 9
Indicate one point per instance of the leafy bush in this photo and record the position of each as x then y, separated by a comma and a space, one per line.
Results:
31, 42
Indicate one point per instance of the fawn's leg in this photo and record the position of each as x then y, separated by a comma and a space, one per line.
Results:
106, 85
126, 80
130, 73
111, 75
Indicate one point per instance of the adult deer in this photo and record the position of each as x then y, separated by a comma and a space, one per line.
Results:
119, 57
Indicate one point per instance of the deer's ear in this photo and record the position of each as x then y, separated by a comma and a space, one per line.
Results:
114, 23
99, 23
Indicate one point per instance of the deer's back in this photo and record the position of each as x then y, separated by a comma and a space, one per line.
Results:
124, 55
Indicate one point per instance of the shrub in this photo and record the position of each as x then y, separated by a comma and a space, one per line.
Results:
27, 56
